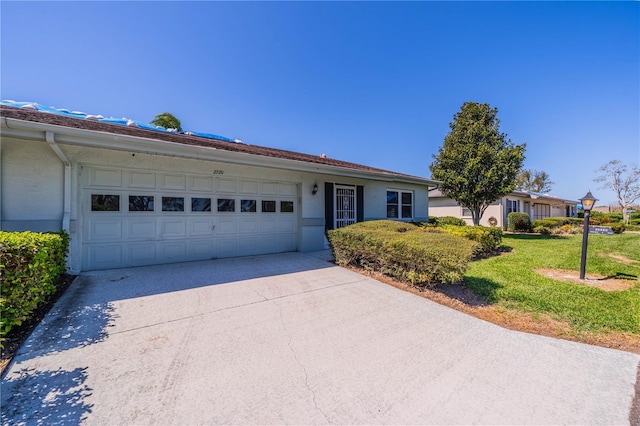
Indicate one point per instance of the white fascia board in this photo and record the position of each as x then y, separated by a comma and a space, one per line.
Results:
67, 135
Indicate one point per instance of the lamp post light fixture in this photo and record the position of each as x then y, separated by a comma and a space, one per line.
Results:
587, 204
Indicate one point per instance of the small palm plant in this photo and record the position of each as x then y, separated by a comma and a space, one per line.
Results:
168, 121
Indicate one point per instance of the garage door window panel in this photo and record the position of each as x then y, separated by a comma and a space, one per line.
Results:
141, 203
286, 206
248, 206
200, 204
172, 204
268, 206
105, 203
227, 205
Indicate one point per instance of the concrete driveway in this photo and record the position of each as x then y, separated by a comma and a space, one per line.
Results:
292, 339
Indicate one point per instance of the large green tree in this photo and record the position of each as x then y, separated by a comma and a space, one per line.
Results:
477, 164
534, 181
167, 120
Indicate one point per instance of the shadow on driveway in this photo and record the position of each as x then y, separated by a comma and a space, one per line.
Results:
46, 397
84, 314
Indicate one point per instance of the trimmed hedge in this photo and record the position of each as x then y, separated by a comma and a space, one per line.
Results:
519, 222
617, 227
543, 230
488, 238
30, 263
570, 225
447, 220
402, 250
556, 221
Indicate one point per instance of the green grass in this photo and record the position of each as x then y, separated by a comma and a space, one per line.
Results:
509, 280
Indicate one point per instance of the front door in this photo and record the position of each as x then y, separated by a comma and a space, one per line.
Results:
345, 205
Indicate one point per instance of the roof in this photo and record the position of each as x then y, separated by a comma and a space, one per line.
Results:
76, 120
436, 193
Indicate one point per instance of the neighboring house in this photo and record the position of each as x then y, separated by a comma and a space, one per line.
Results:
538, 206
129, 194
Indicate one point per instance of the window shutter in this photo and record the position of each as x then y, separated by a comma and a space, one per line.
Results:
328, 205
359, 203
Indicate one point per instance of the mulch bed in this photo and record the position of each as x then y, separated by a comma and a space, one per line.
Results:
18, 335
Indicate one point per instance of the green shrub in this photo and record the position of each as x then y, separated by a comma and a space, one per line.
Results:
402, 250
448, 220
617, 227
606, 218
488, 238
634, 221
551, 222
569, 229
540, 229
632, 228
519, 222
556, 222
634, 215
616, 217
30, 263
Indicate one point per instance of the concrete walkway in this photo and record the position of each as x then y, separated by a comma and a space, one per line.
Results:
292, 339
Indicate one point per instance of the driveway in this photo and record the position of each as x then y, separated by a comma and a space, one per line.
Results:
290, 338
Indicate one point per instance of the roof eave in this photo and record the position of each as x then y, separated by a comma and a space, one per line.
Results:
25, 129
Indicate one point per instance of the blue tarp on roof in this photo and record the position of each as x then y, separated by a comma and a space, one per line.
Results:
110, 120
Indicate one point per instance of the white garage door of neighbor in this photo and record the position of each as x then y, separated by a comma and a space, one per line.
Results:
136, 217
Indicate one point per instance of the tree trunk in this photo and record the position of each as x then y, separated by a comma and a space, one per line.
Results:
475, 215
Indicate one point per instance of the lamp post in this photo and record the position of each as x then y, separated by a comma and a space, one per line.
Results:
587, 204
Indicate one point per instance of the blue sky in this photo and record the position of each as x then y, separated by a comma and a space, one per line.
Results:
375, 83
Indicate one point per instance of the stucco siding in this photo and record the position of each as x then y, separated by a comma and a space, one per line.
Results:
375, 200
31, 186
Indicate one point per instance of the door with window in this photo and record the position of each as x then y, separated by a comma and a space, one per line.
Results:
345, 206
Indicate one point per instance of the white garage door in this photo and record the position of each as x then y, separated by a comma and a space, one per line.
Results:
134, 217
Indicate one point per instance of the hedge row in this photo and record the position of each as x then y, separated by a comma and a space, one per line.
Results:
569, 225
488, 238
554, 222
30, 263
402, 250
446, 220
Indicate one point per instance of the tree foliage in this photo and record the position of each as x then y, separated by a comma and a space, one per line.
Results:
167, 120
623, 180
534, 181
477, 164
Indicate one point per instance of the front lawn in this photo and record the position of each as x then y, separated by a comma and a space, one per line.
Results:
509, 280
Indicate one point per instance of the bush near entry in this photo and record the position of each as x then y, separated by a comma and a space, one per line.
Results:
488, 238
519, 222
402, 250
30, 263
447, 220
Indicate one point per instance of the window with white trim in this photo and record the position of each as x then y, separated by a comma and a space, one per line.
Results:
399, 204
466, 212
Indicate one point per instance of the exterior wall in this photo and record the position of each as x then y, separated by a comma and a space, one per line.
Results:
31, 187
375, 200
442, 206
